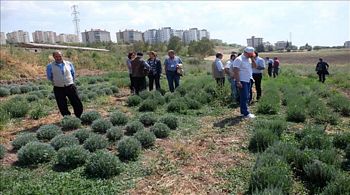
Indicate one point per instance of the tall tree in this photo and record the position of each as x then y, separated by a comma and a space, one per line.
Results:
175, 44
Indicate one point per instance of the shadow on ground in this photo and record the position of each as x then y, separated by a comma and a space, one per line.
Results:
231, 121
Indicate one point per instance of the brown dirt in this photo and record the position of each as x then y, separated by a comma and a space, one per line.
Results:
197, 160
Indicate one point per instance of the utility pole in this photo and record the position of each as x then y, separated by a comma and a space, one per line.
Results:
76, 21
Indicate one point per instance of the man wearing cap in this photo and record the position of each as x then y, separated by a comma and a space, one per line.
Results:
242, 70
139, 68
62, 75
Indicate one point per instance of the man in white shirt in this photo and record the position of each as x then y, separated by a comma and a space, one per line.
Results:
242, 70
257, 76
218, 70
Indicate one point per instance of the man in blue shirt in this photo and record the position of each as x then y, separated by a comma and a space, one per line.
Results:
62, 74
172, 63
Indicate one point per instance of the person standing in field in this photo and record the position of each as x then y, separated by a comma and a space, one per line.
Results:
62, 75
139, 69
257, 76
155, 70
171, 64
276, 66
269, 66
231, 80
322, 70
242, 70
218, 70
131, 56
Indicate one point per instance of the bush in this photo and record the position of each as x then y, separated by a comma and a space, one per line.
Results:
2, 151
329, 156
133, 127
178, 105
92, 95
148, 105
276, 176
95, 142
134, 100
61, 141
23, 139
72, 156
284, 149
118, 118
319, 174
295, 113
16, 107
35, 153
341, 140
170, 120
129, 148
4, 92
25, 88
101, 125
38, 113
103, 164
193, 104
89, 117
277, 126
37, 93
160, 130
157, 97
70, 123
82, 134
268, 106
262, 138
269, 191
115, 133
145, 94
268, 159
340, 185
340, 104
47, 132
148, 119
32, 98
107, 91
347, 152
15, 90
114, 89
316, 141
146, 138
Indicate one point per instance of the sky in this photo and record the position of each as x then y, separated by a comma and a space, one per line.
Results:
323, 23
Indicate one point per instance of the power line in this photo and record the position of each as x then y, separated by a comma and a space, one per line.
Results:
76, 21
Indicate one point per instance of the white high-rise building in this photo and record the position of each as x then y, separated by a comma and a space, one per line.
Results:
164, 34
44, 37
254, 42
19, 36
149, 36
38, 37
67, 38
280, 45
2, 38
190, 35
347, 44
95, 35
129, 36
179, 33
50, 37
203, 34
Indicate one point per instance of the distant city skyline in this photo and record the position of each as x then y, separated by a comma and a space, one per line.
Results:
324, 23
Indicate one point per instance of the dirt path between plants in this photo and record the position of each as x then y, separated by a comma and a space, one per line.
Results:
191, 165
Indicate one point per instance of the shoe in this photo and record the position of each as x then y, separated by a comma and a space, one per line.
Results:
250, 116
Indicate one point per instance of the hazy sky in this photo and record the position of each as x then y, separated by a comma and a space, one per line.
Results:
313, 22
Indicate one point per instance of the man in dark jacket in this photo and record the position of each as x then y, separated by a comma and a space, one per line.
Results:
139, 69
322, 70
155, 70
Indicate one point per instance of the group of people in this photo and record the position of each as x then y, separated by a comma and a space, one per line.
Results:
139, 69
273, 66
243, 71
239, 71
